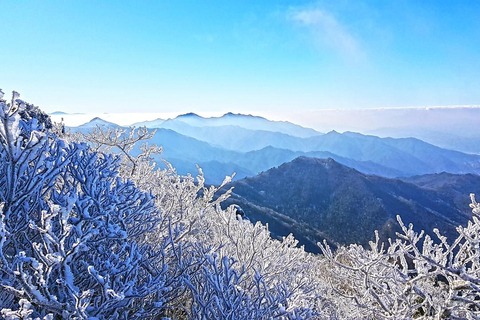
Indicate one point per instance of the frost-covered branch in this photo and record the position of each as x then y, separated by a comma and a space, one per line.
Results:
70, 228
123, 141
416, 277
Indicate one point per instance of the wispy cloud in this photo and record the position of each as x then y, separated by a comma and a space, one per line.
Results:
328, 31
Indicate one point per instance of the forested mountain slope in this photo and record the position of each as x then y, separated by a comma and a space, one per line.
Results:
320, 198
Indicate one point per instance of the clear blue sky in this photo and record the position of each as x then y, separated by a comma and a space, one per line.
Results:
240, 55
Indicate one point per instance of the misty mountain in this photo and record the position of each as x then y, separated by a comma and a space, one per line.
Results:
235, 137
175, 145
408, 155
454, 128
227, 149
399, 157
322, 199
269, 157
96, 122
230, 119
184, 152
150, 123
395, 157
453, 141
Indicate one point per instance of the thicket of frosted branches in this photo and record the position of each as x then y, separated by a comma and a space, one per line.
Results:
90, 228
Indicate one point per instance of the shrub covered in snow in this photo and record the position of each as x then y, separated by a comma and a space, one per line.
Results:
411, 278
68, 226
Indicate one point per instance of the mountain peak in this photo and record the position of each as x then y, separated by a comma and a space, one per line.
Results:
231, 114
97, 122
333, 132
316, 161
189, 115
304, 166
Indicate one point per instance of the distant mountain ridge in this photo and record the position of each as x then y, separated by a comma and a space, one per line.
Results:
450, 127
402, 157
406, 156
97, 122
249, 122
467, 143
227, 149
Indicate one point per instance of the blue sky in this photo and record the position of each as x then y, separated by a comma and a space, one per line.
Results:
242, 56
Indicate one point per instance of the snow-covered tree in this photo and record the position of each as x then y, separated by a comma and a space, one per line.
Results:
412, 278
68, 226
224, 292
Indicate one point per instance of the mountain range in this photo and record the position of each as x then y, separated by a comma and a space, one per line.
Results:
233, 120
450, 127
221, 148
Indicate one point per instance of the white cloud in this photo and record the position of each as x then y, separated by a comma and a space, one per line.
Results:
327, 30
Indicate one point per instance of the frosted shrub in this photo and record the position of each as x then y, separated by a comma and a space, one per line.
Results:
412, 278
223, 292
67, 228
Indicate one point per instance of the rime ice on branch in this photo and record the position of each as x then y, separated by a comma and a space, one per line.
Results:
68, 226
